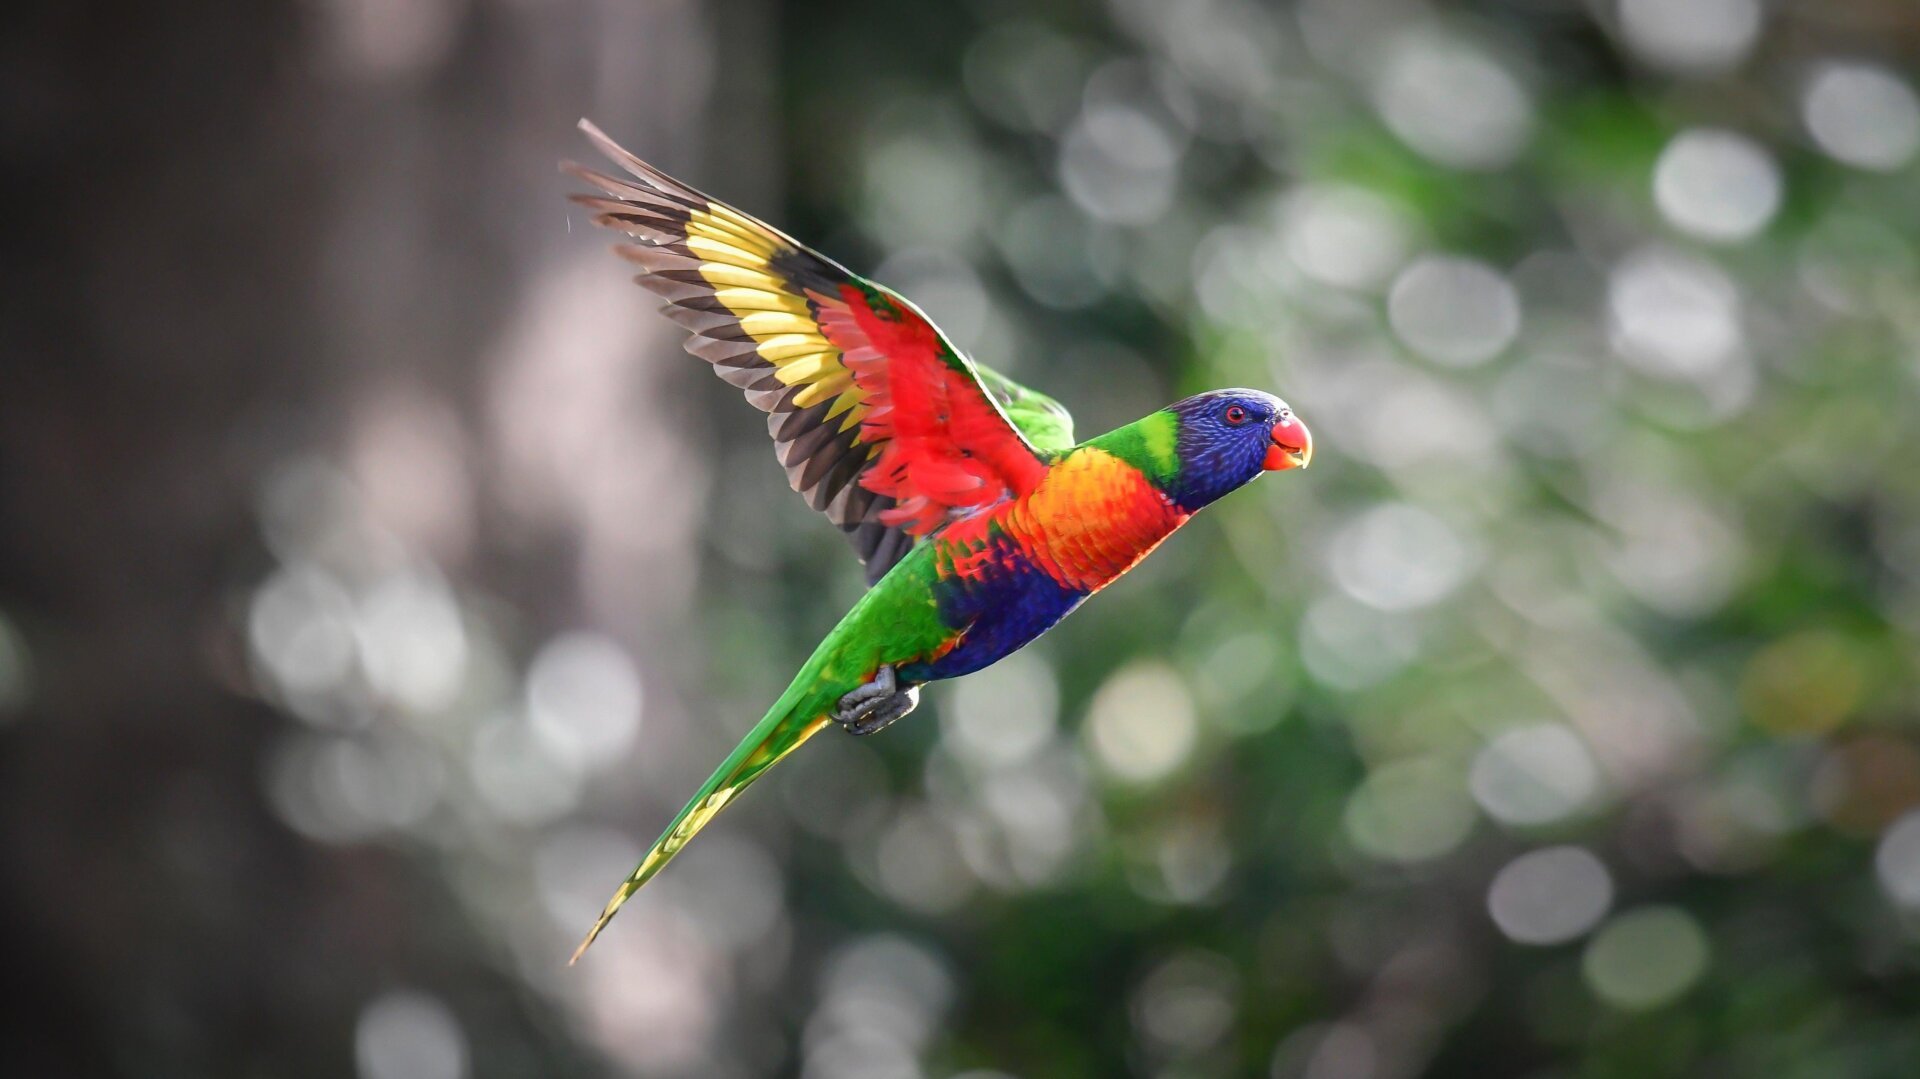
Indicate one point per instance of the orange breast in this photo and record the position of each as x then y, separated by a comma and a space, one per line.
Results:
1090, 519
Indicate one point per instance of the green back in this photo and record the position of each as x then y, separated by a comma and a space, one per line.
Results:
1045, 422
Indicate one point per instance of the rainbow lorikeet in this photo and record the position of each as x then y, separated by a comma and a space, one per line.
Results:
979, 518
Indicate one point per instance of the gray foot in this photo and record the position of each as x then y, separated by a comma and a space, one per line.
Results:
874, 706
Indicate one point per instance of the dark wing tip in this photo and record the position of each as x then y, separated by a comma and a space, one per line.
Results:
600, 139
625, 158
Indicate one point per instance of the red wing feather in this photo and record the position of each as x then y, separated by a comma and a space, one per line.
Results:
945, 448
878, 420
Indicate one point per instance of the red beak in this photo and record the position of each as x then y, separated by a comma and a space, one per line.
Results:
1292, 446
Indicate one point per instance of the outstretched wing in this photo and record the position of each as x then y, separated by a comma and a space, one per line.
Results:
880, 422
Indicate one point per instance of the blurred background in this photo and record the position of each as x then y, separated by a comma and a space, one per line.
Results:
377, 575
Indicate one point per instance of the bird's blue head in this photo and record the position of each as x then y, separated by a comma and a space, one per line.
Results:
1228, 437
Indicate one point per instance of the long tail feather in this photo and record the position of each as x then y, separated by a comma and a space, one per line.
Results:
796, 717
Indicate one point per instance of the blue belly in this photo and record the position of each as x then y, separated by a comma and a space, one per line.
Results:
1004, 608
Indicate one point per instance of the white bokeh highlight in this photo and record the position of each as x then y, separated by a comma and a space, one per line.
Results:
1550, 896
1691, 36
1897, 861
412, 641
1119, 164
300, 628
1455, 311
1534, 775
583, 699
1450, 101
1004, 715
405, 1034
1343, 235
1673, 315
1717, 185
1862, 115
1400, 557
1142, 723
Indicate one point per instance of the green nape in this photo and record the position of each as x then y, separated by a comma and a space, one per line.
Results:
1150, 444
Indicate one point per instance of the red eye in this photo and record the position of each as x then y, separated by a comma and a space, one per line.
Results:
1236, 415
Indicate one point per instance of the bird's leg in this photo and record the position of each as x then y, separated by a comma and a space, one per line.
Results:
877, 704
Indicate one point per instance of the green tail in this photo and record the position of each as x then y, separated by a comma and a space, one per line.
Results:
799, 713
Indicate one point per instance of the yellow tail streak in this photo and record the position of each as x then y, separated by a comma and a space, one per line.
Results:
780, 733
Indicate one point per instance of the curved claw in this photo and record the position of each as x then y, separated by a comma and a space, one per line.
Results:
876, 705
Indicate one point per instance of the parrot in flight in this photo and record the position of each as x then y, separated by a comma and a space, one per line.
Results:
980, 520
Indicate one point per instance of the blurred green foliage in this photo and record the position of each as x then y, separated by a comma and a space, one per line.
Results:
1529, 732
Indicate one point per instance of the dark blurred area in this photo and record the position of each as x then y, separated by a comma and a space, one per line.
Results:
377, 574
